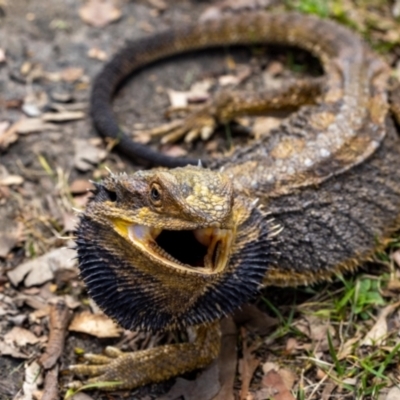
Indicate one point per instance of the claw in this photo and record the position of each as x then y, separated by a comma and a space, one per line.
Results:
174, 135
163, 129
192, 135
113, 352
97, 359
89, 370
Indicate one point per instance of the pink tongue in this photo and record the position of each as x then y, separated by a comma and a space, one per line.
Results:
204, 236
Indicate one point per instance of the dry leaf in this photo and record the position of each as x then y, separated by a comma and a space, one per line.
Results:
378, 332
274, 384
174, 151
177, 98
396, 257
226, 80
11, 180
24, 126
41, 269
4, 125
98, 325
8, 240
100, 13
8, 350
79, 186
204, 387
81, 396
51, 387
247, 366
254, 319
87, 155
328, 389
160, 5
347, 348
63, 116
263, 125
97, 54
316, 329
71, 74
8, 135
393, 394
20, 337
32, 382
30, 125
58, 323
2, 56
227, 359
291, 345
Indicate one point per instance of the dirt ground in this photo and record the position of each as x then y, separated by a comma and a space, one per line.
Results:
49, 150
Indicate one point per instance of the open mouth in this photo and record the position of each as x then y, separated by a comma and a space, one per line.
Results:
204, 250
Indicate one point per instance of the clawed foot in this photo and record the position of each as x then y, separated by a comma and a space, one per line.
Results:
199, 123
116, 370
105, 371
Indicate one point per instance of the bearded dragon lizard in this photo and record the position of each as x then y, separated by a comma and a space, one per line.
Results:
181, 248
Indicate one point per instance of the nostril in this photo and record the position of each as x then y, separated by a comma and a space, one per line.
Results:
112, 196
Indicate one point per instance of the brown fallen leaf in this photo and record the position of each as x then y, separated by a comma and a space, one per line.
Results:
98, 325
23, 126
4, 125
174, 151
31, 125
8, 135
204, 387
347, 348
274, 384
50, 391
10, 350
9, 239
71, 74
247, 366
377, 335
2, 56
160, 5
79, 186
63, 116
20, 337
58, 323
227, 359
97, 54
177, 99
41, 269
396, 257
288, 377
216, 10
12, 180
100, 13
393, 394
32, 381
263, 125
328, 389
316, 329
254, 319
81, 396
87, 155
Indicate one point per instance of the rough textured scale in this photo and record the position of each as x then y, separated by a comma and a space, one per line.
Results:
182, 248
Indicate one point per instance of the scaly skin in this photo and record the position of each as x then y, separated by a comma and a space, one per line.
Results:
167, 249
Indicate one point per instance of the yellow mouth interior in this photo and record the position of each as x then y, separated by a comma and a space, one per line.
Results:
204, 250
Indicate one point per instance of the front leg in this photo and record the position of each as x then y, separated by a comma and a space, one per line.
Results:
129, 370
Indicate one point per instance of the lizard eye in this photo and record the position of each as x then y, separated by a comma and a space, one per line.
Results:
155, 194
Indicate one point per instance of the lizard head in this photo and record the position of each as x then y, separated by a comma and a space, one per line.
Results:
164, 249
